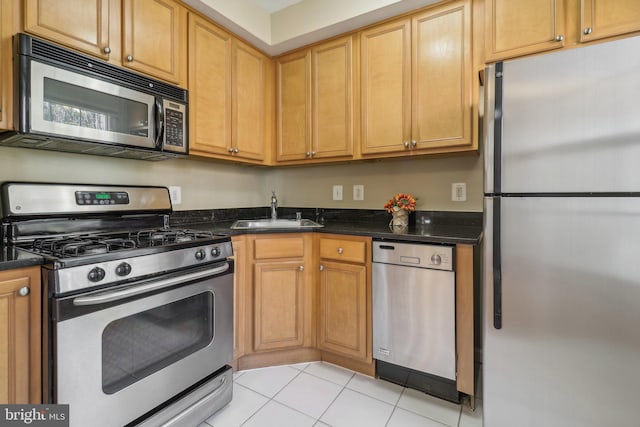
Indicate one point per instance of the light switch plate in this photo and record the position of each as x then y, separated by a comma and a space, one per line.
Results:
175, 193
358, 192
459, 192
337, 192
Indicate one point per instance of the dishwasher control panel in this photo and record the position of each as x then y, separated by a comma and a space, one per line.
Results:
414, 255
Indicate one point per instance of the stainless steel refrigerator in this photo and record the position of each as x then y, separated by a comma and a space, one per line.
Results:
561, 251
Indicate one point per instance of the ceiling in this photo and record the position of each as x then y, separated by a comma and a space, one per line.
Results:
278, 26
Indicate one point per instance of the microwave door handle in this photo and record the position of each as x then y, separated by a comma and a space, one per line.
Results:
159, 122
147, 287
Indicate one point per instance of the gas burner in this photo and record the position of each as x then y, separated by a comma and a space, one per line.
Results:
81, 245
167, 236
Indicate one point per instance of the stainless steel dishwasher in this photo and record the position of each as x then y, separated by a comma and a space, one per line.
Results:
414, 337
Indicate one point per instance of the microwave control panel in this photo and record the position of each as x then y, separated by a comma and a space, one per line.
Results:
175, 126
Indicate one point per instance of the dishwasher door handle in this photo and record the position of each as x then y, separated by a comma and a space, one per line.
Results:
387, 247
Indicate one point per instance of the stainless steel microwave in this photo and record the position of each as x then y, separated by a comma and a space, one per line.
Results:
66, 101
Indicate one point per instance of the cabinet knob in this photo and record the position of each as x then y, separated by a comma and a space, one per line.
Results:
235, 150
406, 144
321, 267
129, 58
559, 38
231, 149
308, 153
313, 153
106, 50
24, 291
587, 31
414, 143
301, 268
340, 250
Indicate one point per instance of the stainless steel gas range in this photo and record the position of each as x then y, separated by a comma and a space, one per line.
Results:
139, 315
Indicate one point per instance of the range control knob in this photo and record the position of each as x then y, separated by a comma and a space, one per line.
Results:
436, 259
201, 254
96, 274
215, 252
123, 269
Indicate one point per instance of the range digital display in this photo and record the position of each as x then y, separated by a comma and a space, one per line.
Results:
84, 198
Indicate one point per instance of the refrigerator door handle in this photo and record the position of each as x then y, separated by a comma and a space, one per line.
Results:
497, 266
492, 124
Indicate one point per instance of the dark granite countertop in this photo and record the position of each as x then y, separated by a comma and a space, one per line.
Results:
427, 227
12, 258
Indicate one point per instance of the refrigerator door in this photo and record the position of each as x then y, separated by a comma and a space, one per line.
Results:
568, 349
570, 120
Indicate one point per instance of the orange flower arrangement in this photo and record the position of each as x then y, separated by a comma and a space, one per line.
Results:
401, 201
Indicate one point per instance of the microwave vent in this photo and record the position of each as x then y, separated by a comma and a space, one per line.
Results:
51, 52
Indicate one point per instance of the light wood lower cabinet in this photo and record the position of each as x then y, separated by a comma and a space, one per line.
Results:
239, 291
20, 326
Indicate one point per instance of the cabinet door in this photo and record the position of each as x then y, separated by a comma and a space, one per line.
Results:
441, 76
80, 24
154, 37
209, 88
279, 297
6, 70
343, 309
606, 18
386, 87
20, 352
293, 106
520, 27
248, 101
332, 76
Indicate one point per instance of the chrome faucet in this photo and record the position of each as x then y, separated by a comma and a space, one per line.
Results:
274, 205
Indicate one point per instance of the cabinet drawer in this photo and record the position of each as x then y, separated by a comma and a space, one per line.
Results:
342, 250
290, 247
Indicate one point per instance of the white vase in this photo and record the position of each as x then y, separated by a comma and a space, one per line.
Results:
400, 220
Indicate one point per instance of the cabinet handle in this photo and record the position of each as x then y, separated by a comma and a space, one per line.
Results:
308, 153
340, 250
406, 144
301, 268
231, 149
587, 31
107, 50
24, 291
321, 267
235, 150
559, 38
414, 143
129, 58
313, 153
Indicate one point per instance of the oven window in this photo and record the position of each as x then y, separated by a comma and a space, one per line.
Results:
87, 108
135, 347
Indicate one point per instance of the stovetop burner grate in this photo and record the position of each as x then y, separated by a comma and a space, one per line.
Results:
163, 237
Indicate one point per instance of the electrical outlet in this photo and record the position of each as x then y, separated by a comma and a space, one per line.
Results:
175, 193
337, 192
459, 192
358, 192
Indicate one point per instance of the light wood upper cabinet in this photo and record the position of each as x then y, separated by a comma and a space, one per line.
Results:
227, 84
441, 77
90, 26
209, 87
416, 83
316, 102
607, 18
154, 39
332, 99
293, 74
386, 87
520, 27
20, 349
6, 70
248, 101
344, 324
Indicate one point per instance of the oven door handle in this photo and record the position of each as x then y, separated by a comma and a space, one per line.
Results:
153, 286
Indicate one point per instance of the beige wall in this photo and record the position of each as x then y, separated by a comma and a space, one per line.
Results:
208, 184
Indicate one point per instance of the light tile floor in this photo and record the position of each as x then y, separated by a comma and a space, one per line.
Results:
324, 395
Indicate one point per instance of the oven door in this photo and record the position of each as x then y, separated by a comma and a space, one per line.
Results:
120, 353
68, 104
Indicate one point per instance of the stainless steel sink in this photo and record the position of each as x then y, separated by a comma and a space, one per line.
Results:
255, 224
